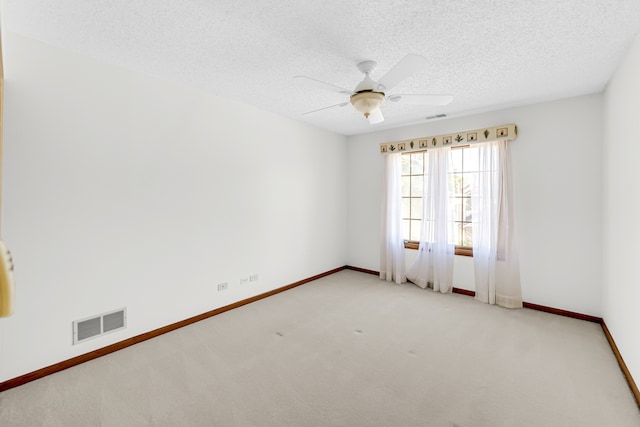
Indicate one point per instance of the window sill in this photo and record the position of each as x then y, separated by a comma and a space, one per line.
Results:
460, 250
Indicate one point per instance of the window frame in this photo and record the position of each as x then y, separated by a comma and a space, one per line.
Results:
459, 250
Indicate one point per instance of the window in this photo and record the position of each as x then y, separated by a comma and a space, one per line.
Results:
463, 172
412, 182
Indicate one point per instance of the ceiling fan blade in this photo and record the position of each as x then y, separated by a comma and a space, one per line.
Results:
323, 85
376, 117
407, 66
422, 99
342, 104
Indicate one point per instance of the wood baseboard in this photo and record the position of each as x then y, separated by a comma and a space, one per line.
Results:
623, 366
43, 372
362, 270
561, 312
529, 305
544, 308
464, 292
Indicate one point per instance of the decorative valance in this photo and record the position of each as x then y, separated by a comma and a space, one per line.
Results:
508, 132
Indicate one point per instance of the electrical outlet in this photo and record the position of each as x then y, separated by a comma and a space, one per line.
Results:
253, 278
244, 280
223, 286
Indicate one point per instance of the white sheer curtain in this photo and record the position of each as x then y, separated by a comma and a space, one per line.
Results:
495, 255
392, 264
433, 266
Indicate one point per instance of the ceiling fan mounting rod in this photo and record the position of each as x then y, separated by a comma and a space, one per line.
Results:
367, 67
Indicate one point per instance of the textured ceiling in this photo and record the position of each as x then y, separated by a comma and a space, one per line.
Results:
489, 54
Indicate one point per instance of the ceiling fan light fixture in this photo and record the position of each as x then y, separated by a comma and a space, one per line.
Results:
367, 101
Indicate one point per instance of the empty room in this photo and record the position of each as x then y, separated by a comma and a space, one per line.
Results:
337, 213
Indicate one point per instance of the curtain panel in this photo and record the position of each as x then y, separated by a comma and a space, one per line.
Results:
433, 266
392, 262
495, 254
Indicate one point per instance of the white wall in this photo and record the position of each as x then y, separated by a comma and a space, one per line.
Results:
123, 190
558, 175
621, 153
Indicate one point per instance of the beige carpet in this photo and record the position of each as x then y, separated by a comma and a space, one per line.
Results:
346, 350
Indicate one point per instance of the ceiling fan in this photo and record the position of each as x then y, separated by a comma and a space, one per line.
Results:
369, 94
